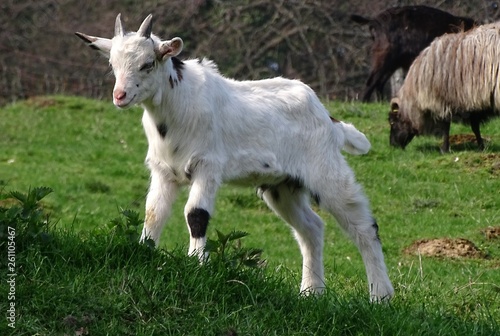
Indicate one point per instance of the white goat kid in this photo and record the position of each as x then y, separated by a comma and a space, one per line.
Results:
204, 129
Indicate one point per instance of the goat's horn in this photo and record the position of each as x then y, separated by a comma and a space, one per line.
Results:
119, 30
146, 27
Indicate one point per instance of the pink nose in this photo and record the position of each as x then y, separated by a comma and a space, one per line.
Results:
119, 94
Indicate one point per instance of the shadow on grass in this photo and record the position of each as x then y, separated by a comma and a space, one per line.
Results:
461, 147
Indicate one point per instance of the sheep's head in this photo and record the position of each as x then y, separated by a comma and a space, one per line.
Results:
135, 58
401, 130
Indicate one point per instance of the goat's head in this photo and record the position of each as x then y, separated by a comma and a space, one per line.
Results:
401, 130
135, 59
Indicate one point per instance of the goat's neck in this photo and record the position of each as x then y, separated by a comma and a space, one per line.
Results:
166, 102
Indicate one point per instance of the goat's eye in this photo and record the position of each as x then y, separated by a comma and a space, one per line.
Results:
147, 66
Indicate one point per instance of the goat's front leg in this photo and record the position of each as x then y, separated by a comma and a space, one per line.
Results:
161, 195
197, 212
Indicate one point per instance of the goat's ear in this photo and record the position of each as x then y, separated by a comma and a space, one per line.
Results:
395, 105
394, 108
103, 45
170, 48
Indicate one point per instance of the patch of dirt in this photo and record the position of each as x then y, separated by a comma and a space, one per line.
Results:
8, 202
490, 161
492, 232
77, 325
446, 248
41, 101
462, 139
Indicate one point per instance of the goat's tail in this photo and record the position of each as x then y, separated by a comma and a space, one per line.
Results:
355, 142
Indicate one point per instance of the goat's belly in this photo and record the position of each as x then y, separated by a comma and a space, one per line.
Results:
254, 170
257, 180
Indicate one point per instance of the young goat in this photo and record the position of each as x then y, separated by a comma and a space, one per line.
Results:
204, 129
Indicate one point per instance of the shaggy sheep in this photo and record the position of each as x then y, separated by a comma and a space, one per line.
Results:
399, 34
204, 129
455, 79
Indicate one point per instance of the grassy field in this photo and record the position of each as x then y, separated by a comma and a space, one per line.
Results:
91, 155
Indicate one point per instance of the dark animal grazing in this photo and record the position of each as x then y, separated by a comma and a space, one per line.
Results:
399, 34
455, 79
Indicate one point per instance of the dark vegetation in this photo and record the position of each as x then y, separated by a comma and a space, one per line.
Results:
313, 40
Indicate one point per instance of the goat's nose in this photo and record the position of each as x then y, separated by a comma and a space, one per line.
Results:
119, 94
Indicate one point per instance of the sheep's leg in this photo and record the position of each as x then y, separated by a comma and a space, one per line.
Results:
197, 213
445, 147
475, 126
161, 195
293, 206
343, 198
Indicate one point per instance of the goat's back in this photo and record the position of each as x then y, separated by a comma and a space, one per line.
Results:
410, 29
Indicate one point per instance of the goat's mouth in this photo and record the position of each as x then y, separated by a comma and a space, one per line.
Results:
124, 103
398, 144
402, 140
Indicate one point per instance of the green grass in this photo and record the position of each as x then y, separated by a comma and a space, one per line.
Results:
92, 155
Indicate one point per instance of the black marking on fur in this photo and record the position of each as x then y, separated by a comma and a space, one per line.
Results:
294, 183
375, 226
178, 67
188, 173
275, 194
197, 219
191, 167
316, 198
162, 129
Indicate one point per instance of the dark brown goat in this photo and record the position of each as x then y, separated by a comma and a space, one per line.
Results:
399, 34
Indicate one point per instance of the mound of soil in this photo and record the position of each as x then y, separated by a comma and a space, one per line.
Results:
445, 248
492, 232
461, 139
485, 161
8, 202
41, 101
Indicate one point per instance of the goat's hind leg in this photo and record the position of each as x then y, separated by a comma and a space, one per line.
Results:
343, 197
292, 205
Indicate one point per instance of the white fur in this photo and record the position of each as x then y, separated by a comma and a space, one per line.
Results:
273, 134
